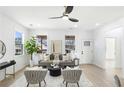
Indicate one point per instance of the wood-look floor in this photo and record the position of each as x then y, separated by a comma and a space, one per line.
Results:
99, 77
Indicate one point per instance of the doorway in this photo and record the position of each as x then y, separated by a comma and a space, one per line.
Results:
86, 52
110, 56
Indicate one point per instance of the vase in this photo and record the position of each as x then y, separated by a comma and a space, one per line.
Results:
31, 63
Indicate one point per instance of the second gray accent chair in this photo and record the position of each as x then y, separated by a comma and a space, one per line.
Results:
35, 76
71, 76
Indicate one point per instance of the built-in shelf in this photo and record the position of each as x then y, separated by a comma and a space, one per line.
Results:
42, 43
69, 43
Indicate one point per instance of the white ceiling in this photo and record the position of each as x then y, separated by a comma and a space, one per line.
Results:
38, 16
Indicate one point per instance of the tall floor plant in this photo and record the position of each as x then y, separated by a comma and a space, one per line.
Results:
31, 47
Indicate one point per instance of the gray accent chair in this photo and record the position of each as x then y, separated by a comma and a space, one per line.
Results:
35, 76
71, 76
117, 81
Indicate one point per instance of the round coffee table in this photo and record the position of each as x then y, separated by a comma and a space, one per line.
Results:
55, 71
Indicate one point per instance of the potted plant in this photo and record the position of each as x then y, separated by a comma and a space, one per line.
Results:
31, 48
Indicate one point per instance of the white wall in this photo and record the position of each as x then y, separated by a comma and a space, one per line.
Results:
115, 30
59, 34
7, 32
110, 48
122, 51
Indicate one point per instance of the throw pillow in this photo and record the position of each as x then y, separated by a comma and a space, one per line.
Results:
68, 68
41, 57
69, 56
76, 62
46, 57
76, 68
64, 58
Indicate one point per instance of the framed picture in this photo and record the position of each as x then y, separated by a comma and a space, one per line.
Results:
86, 43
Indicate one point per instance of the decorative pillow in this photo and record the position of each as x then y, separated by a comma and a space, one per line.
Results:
35, 68
46, 57
72, 56
41, 57
64, 58
73, 68
76, 68
69, 56
76, 62
68, 68
60, 57
52, 56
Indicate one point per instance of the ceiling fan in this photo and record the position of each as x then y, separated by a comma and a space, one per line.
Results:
68, 10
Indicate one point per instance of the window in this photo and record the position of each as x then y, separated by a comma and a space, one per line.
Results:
42, 43
69, 43
18, 43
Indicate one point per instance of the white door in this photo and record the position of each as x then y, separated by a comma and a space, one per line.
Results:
110, 52
110, 48
87, 52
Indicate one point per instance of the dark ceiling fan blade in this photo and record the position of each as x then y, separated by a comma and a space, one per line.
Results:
55, 17
73, 19
68, 9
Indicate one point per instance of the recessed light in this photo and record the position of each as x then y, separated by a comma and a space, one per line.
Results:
75, 25
97, 24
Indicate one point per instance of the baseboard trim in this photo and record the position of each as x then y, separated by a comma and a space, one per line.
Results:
94, 65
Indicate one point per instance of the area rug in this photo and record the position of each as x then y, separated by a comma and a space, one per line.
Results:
52, 82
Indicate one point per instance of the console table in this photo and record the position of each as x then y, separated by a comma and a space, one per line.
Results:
4, 65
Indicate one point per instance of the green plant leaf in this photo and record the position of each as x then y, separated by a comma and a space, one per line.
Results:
31, 46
